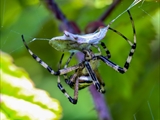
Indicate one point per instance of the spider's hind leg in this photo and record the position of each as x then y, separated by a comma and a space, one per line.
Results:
74, 78
72, 100
75, 87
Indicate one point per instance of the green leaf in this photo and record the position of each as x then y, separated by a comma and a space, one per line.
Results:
20, 99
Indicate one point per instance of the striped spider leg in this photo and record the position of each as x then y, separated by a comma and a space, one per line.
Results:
91, 68
83, 77
74, 78
76, 86
43, 64
91, 64
129, 58
104, 47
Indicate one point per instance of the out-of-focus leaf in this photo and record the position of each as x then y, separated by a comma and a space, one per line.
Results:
17, 90
3, 116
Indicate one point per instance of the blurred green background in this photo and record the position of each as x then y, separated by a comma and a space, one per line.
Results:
131, 96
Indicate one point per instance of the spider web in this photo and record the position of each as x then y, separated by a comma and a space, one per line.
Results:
11, 31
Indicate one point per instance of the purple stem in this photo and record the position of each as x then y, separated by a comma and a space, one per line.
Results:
51, 4
98, 98
100, 104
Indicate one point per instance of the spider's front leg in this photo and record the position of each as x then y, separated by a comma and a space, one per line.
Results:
117, 67
46, 66
129, 58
